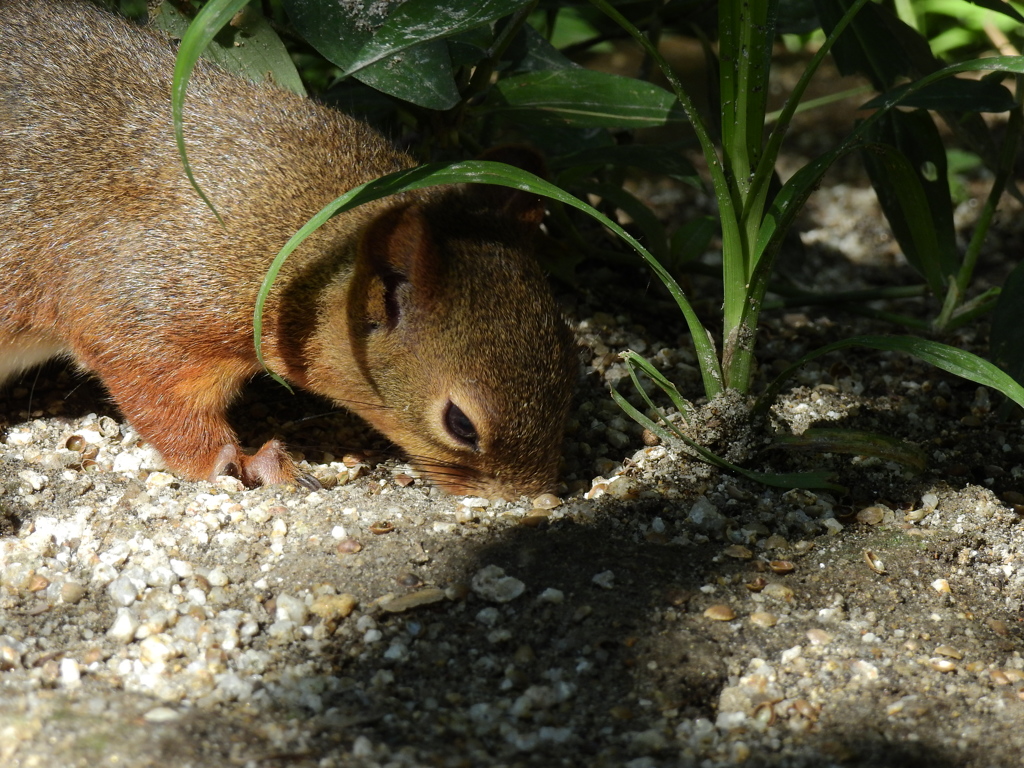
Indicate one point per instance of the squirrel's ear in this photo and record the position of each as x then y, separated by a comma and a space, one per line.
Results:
397, 261
525, 207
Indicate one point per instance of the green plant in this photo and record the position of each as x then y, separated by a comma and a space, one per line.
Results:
486, 73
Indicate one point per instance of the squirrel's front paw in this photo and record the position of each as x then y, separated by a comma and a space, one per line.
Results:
270, 465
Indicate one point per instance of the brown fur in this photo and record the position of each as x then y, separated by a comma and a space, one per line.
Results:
394, 309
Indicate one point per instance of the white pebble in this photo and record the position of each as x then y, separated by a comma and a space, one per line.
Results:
19, 437
291, 609
157, 480
161, 715
127, 462
362, 748
123, 591
551, 595
832, 525
124, 626
157, 649
488, 616
70, 674
604, 579
491, 583
791, 654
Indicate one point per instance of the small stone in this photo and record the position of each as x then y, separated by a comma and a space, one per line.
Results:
71, 592
491, 583
791, 654
123, 591
157, 649
871, 515
949, 651
780, 592
706, 517
941, 665
782, 567
426, 596
819, 637
763, 619
333, 607
291, 609
10, 653
124, 626
217, 577
604, 579
833, 526
230, 484
719, 612
622, 487
998, 626
551, 595
547, 501
70, 674
998, 677
348, 546
37, 583
738, 552
941, 586
161, 715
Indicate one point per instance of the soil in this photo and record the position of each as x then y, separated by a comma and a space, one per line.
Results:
658, 612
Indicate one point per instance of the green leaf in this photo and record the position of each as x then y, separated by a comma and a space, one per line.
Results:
635, 362
201, 31
421, 75
484, 172
414, 22
643, 217
896, 96
856, 443
536, 53
746, 33
956, 361
582, 97
1007, 335
907, 165
877, 44
248, 47
664, 159
419, 71
691, 240
399, 48
1000, 6
957, 94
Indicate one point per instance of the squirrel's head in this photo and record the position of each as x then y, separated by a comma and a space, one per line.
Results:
455, 331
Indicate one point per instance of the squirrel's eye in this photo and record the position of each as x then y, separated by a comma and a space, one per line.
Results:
459, 426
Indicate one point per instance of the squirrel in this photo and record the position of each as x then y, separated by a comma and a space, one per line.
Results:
424, 313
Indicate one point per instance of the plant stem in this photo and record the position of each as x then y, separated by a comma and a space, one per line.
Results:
1007, 156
